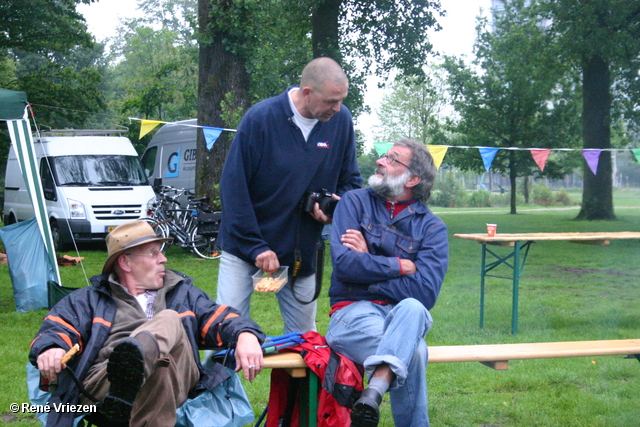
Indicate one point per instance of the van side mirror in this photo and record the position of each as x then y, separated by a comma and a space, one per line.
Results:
49, 190
157, 183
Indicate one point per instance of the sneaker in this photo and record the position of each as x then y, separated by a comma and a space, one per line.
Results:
125, 372
366, 412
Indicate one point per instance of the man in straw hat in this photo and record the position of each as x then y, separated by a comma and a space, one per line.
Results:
140, 327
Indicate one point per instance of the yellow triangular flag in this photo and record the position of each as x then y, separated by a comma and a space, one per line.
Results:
437, 152
147, 126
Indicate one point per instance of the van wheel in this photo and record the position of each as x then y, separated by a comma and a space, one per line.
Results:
10, 219
58, 244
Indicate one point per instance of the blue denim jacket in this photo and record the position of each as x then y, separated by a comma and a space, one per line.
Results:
415, 234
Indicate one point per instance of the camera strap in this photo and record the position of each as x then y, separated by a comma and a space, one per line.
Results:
297, 263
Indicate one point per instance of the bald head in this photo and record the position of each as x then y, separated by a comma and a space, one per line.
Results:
321, 71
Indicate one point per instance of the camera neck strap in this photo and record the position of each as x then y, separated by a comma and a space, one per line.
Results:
297, 263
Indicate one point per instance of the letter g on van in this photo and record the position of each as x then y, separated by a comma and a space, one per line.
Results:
173, 164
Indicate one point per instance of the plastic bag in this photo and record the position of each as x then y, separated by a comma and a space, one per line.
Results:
39, 397
226, 405
29, 265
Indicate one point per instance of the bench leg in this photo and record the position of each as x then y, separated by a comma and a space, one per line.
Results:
309, 401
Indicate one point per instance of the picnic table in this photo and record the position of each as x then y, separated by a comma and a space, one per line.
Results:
517, 257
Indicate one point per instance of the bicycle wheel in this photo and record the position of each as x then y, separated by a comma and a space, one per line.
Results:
204, 246
161, 229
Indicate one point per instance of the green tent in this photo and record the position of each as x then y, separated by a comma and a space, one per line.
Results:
12, 104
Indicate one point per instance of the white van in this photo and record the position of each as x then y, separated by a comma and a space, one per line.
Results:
91, 185
170, 156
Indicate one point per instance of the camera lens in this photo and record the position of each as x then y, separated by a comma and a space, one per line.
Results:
328, 205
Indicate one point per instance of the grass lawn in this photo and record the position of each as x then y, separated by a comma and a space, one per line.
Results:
567, 292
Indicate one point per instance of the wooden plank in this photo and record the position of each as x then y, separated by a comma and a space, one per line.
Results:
495, 355
287, 360
501, 352
573, 237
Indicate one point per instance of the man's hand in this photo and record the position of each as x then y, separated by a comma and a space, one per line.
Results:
408, 266
320, 216
354, 240
248, 355
50, 363
268, 261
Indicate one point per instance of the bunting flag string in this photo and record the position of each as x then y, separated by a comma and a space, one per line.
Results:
211, 134
540, 155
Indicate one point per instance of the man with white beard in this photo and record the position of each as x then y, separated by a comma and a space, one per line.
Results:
390, 254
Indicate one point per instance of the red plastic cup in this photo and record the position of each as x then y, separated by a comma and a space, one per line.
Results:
491, 229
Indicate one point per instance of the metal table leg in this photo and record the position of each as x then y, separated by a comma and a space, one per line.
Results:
517, 266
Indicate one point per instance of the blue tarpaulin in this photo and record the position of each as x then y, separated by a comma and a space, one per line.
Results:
29, 265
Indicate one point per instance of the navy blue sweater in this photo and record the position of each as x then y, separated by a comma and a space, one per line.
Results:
267, 171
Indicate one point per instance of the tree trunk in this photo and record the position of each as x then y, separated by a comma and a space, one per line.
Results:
325, 30
512, 180
597, 191
525, 189
222, 79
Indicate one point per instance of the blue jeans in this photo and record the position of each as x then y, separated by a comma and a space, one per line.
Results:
235, 287
372, 334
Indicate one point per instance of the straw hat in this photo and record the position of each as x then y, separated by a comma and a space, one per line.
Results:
127, 236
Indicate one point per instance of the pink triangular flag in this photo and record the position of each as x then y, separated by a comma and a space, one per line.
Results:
592, 156
540, 156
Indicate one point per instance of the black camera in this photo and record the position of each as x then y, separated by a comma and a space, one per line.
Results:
323, 198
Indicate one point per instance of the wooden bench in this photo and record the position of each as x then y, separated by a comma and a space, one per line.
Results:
496, 356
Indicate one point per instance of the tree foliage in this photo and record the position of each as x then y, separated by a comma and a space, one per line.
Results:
520, 96
46, 51
602, 38
42, 26
373, 36
157, 76
413, 108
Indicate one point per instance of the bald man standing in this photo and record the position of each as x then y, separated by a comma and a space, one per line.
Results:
298, 142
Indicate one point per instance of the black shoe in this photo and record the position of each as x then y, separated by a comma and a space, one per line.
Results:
366, 412
125, 372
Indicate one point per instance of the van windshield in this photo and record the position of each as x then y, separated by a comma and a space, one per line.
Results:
98, 170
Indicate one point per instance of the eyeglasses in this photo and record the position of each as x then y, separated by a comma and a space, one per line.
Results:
391, 159
154, 253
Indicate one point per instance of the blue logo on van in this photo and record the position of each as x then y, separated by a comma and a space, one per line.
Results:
173, 164
118, 212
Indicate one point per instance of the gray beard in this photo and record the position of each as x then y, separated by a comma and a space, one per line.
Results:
387, 186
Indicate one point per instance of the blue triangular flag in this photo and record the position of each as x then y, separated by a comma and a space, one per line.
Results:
211, 135
488, 155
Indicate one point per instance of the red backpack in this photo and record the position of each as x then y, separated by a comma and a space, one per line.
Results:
341, 386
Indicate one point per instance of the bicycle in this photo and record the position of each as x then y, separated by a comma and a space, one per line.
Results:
194, 227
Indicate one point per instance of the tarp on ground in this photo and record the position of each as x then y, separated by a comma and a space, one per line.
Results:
13, 110
29, 265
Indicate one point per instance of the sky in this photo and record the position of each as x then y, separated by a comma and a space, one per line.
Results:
455, 38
